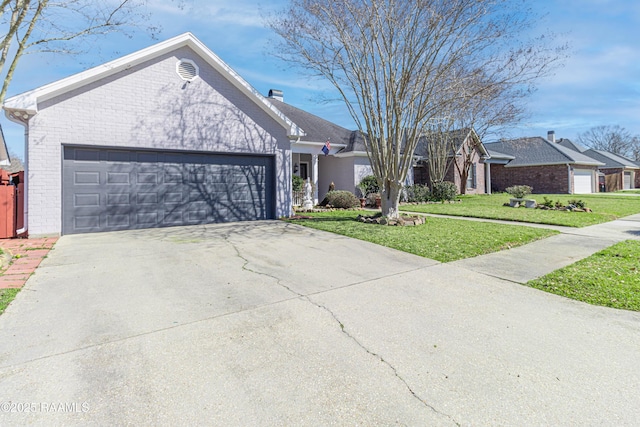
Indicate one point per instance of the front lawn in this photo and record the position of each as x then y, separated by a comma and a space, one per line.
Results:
441, 239
605, 208
609, 278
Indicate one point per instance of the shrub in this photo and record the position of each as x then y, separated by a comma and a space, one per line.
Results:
297, 183
519, 191
547, 202
369, 184
371, 198
577, 203
442, 191
342, 199
417, 193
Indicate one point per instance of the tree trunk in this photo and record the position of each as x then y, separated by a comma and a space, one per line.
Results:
390, 195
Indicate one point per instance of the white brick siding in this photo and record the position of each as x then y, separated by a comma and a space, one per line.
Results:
148, 106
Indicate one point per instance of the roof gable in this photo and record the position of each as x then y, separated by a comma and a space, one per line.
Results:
458, 137
28, 102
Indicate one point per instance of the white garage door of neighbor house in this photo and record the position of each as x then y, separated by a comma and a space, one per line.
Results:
627, 180
106, 189
582, 181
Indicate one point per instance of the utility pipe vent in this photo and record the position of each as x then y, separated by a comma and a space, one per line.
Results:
187, 69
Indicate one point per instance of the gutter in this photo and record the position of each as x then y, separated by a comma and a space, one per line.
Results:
569, 178
22, 118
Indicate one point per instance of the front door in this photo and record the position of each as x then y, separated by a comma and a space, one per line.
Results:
304, 171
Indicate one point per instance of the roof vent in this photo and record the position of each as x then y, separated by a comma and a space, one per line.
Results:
551, 136
276, 94
187, 69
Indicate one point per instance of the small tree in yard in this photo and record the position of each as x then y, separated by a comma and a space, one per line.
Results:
399, 64
439, 143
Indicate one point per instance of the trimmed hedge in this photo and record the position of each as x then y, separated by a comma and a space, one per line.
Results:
342, 199
442, 191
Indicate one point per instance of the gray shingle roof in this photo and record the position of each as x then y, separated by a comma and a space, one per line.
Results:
611, 160
572, 145
537, 151
317, 129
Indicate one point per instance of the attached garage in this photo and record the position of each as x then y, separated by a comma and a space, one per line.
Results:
166, 136
109, 189
582, 181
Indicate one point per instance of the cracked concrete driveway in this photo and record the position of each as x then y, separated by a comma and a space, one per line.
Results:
268, 323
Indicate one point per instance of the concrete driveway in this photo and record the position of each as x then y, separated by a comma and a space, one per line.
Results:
273, 324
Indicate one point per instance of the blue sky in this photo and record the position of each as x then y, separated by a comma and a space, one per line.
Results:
599, 83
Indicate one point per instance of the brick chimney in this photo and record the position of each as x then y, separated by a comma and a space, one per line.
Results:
551, 136
276, 94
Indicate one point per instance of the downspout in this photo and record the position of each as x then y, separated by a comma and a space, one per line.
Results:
23, 119
569, 178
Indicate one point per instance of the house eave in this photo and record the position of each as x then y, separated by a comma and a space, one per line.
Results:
555, 164
352, 154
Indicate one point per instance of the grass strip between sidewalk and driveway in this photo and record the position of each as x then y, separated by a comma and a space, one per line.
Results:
610, 278
605, 208
441, 239
6, 296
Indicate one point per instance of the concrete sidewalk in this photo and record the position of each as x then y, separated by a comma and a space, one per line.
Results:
544, 256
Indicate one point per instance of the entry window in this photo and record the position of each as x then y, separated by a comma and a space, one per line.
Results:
471, 178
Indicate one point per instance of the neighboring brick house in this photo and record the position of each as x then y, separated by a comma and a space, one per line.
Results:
467, 163
617, 172
543, 164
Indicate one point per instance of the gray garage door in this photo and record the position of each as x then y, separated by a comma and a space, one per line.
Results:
111, 189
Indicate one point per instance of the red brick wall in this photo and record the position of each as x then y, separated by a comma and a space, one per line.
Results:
637, 179
543, 179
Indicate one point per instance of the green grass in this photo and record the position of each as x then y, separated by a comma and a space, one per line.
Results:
605, 208
441, 239
609, 278
628, 191
6, 296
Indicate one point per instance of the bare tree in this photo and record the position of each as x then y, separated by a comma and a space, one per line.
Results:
398, 64
635, 148
438, 141
31, 26
614, 139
